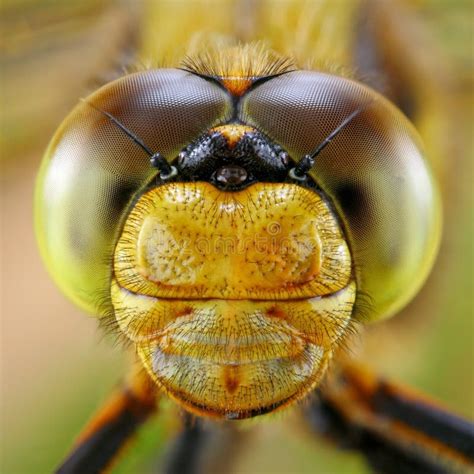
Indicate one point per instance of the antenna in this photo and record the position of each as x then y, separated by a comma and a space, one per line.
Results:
307, 162
156, 159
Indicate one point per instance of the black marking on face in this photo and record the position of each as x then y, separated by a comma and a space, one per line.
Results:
253, 158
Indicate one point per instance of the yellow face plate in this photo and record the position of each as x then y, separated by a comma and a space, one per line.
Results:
191, 240
232, 358
235, 300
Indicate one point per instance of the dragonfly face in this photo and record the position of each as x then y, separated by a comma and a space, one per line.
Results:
238, 274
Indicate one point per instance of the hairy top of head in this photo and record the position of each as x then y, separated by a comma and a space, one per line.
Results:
243, 61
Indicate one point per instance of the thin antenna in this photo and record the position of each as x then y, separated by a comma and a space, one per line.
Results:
307, 162
156, 159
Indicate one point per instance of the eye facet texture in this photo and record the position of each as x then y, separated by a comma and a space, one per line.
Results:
92, 170
373, 172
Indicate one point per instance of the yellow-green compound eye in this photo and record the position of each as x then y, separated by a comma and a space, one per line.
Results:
92, 171
373, 172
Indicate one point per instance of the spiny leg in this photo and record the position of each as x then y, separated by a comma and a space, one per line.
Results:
112, 426
396, 429
203, 446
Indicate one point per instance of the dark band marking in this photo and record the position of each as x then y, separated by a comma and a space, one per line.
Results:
445, 427
381, 454
99, 446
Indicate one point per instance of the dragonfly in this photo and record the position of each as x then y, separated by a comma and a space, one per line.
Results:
351, 401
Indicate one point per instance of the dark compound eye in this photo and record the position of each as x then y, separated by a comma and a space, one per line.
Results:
368, 161
94, 169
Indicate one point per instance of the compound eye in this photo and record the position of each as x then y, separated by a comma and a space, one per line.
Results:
93, 171
373, 172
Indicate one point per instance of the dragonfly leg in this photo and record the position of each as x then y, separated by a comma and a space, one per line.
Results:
112, 426
203, 446
395, 428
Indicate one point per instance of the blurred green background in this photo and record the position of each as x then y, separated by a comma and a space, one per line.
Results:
56, 367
